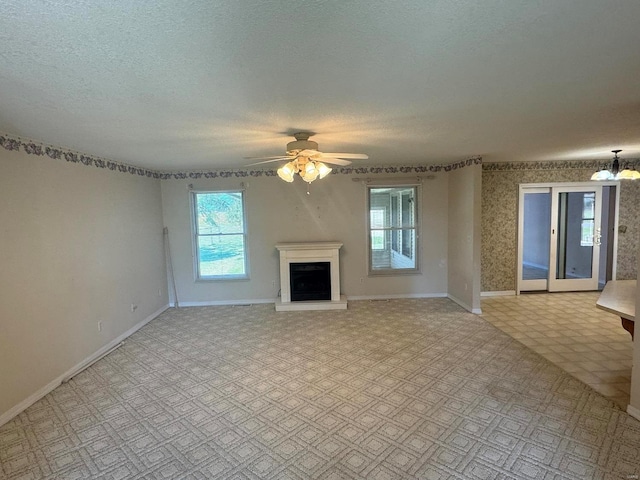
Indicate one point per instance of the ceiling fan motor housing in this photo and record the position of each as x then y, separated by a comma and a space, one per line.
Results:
297, 146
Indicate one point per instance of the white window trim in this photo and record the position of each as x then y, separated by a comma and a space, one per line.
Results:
194, 238
417, 212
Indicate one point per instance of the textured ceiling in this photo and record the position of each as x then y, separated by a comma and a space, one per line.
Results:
198, 84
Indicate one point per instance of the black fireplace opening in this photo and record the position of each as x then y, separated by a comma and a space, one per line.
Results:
310, 281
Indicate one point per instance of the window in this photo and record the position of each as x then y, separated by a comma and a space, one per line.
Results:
393, 229
219, 235
588, 220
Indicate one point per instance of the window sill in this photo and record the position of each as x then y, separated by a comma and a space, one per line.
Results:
394, 272
223, 278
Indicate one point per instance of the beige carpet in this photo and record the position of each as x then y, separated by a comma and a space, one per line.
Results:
398, 389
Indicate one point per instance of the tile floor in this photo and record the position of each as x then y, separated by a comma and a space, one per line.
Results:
568, 330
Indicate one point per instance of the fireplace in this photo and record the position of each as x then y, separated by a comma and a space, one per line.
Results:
310, 281
310, 276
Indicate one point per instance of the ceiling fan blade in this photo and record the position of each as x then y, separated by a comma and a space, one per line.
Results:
274, 157
335, 161
352, 156
277, 159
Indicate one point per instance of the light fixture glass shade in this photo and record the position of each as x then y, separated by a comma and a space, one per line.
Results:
323, 169
628, 174
310, 176
603, 174
310, 168
286, 172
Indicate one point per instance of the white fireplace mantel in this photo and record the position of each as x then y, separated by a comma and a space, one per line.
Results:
308, 252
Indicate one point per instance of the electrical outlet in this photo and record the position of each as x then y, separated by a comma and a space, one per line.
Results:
159, 292
133, 307
99, 326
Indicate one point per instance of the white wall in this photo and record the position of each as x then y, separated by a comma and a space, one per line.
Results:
464, 231
79, 244
283, 212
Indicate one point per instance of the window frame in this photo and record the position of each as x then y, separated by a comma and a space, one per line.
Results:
383, 212
195, 235
588, 220
395, 232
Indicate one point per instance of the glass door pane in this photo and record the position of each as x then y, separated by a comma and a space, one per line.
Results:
575, 238
537, 228
535, 225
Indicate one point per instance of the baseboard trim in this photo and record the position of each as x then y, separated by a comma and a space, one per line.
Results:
634, 412
214, 303
30, 400
398, 296
464, 305
33, 398
503, 293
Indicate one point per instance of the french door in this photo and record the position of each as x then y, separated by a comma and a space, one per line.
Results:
559, 239
575, 238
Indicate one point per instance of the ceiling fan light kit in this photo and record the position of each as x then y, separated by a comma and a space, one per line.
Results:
308, 170
306, 160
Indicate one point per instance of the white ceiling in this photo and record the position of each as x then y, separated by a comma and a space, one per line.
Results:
199, 84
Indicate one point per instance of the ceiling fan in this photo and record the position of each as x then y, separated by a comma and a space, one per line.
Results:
306, 160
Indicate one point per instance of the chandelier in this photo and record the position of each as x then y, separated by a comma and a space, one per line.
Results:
614, 172
308, 169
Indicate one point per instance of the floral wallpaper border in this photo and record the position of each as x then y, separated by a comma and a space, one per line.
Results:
336, 170
554, 165
34, 148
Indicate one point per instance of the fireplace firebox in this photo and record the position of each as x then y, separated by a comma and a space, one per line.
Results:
310, 281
